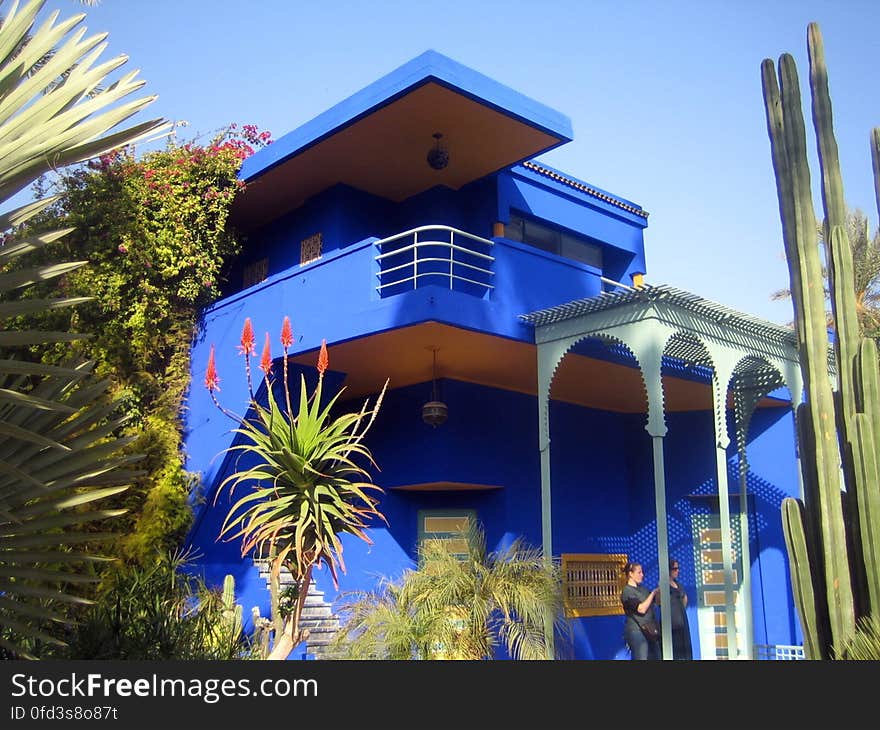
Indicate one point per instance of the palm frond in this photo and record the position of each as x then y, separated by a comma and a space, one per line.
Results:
454, 607
864, 645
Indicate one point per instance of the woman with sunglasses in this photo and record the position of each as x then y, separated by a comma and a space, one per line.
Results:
681, 631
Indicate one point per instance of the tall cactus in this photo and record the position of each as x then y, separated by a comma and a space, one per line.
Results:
833, 537
232, 611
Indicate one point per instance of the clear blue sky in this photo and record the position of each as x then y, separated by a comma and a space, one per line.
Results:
664, 97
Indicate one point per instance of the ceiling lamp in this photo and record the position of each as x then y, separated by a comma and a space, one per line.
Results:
435, 411
438, 155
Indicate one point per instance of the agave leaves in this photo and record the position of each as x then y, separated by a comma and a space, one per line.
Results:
308, 487
41, 131
57, 457
58, 454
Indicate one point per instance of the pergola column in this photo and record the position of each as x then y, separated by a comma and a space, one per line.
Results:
549, 356
745, 402
646, 340
644, 319
724, 363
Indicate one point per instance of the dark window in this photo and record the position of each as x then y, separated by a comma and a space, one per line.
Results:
553, 240
255, 273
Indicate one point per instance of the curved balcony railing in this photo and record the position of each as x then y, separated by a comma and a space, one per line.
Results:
435, 254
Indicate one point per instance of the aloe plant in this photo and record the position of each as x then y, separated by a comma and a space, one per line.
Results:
58, 453
833, 536
308, 480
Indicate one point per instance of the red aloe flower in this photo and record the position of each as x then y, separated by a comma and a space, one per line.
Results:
212, 380
248, 341
286, 333
323, 358
266, 359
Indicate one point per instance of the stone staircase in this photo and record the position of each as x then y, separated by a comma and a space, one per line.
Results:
317, 617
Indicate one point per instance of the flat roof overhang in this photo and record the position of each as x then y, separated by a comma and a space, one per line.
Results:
377, 140
405, 357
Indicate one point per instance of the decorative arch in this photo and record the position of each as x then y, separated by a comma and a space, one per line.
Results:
740, 351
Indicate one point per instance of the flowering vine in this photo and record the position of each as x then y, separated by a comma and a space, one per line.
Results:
155, 230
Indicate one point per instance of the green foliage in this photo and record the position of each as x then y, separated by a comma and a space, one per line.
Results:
459, 607
865, 643
307, 477
154, 230
302, 497
59, 453
159, 612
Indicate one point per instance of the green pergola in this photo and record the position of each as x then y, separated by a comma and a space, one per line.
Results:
748, 356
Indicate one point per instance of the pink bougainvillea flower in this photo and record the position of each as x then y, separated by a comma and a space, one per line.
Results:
212, 380
266, 359
286, 333
248, 341
323, 358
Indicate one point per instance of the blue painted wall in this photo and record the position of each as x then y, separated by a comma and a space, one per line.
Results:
602, 495
345, 216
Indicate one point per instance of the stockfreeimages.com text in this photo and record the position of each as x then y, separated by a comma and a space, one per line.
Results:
209, 690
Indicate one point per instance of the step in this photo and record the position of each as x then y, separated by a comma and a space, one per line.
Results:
317, 615
317, 610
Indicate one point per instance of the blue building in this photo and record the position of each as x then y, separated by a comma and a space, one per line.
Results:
592, 413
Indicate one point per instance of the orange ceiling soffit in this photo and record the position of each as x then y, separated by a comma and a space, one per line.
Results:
475, 357
377, 140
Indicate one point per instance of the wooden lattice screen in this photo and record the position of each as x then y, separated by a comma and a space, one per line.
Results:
592, 583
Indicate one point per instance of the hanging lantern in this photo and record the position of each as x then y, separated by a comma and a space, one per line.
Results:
438, 155
435, 411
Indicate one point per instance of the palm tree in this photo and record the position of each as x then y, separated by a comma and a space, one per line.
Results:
459, 606
307, 487
864, 644
866, 273
58, 453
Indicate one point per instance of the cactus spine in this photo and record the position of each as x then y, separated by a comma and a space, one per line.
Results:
837, 433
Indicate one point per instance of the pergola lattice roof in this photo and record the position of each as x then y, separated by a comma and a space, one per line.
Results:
704, 308
716, 320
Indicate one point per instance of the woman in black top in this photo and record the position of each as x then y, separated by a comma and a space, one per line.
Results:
681, 631
638, 605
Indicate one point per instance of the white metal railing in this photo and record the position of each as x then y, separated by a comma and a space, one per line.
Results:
779, 652
430, 252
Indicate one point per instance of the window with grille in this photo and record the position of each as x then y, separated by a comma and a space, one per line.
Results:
592, 583
448, 527
255, 273
310, 249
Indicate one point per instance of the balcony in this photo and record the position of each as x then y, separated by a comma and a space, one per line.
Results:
435, 255
429, 273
